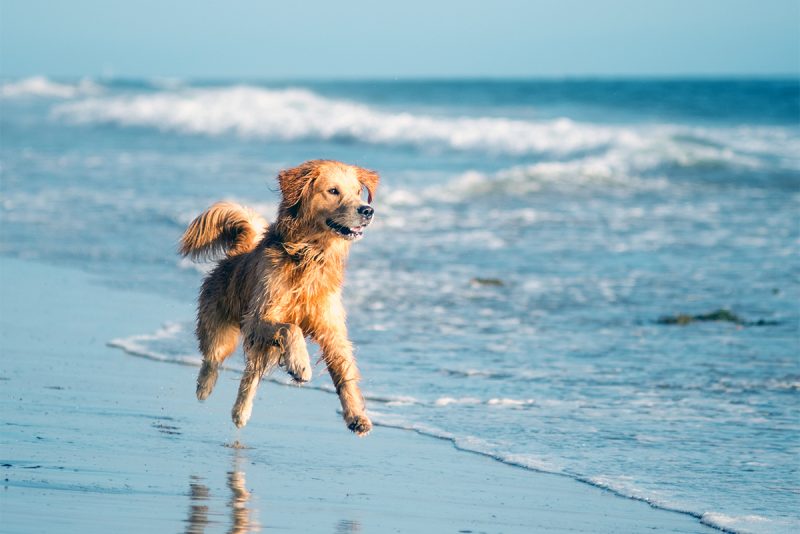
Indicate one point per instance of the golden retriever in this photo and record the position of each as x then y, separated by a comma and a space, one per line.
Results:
280, 283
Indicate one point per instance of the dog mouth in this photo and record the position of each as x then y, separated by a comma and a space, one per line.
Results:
350, 233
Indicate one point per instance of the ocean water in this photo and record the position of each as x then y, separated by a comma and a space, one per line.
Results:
529, 237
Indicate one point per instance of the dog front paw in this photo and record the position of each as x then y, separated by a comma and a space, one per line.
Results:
241, 414
295, 357
359, 424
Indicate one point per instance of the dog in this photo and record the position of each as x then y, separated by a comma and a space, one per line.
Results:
278, 284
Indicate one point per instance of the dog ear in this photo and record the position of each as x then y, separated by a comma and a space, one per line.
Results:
369, 179
294, 182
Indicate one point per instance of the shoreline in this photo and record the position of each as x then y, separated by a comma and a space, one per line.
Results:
108, 434
379, 420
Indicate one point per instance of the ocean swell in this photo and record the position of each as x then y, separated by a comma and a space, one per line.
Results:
296, 113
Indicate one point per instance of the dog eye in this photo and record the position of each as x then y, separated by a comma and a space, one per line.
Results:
333, 191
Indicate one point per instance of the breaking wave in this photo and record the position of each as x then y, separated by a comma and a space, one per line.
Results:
289, 114
39, 86
297, 113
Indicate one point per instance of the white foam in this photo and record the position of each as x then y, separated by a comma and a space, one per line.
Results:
516, 374
471, 444
634, 167
39, 86
744, 523
137, 345
290, 114
446, 401
296, 113
510, 402
391, 400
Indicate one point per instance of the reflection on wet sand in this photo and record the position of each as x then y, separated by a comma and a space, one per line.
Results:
198, 510
240, 514
205, 509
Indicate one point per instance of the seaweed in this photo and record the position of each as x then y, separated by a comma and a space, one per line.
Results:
495, 282
721, 315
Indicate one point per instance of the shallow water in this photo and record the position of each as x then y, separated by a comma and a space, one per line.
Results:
529, 236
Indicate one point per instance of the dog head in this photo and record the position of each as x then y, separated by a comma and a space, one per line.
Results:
324, 196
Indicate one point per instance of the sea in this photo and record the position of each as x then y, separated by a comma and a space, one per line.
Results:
597, 278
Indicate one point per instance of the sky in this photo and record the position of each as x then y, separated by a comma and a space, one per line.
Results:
399, 39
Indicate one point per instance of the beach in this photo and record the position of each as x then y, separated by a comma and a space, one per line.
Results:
94, 440
576, 306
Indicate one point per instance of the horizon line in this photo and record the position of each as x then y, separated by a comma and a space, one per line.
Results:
421, 78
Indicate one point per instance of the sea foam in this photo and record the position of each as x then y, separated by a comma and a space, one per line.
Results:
39, 86
296, 113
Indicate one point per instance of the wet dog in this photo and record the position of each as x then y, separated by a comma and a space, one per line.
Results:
278, 284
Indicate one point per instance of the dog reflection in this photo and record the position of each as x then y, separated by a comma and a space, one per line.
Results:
240, 513
241, 521
198, 509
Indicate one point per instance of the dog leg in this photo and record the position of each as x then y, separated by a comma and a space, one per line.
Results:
266, 345
243, 408
337, 351
216, 343
295, 357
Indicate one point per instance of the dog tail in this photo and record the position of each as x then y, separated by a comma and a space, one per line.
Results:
224, 228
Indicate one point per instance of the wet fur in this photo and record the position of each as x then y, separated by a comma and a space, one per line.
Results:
281, 283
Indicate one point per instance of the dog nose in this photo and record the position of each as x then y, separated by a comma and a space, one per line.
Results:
366, 211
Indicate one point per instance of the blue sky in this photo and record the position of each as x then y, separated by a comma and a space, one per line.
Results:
399, 39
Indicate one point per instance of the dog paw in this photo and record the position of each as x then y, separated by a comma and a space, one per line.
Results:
301, 375
360, 425
298, 367
206, 380
294, 358
240, 415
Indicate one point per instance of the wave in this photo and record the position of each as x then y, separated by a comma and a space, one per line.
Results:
622, 488
603, 172
297, 114
39, 86
651, 166
137, 346
140, 345
447, 401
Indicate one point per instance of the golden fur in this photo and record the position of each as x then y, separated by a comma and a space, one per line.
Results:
278, 284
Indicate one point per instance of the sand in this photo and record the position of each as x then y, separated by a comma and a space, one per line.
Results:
94, 440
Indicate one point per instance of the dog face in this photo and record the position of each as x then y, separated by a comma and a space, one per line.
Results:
326, 197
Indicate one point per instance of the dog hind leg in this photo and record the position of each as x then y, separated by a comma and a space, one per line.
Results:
216, 343
257, 365
265, 346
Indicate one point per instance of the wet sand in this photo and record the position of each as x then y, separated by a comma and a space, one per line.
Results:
94, 440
